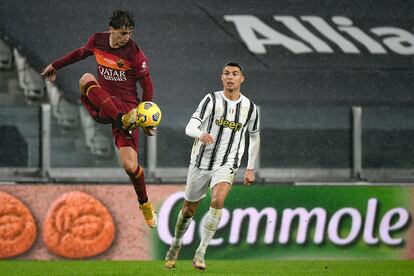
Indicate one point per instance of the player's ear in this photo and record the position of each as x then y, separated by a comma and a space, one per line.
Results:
242, 79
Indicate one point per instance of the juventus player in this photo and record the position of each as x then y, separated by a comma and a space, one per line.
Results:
218, 126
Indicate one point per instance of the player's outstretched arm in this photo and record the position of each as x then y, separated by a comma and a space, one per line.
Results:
49, 73
74, 56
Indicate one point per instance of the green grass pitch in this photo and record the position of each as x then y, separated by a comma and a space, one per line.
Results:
214, 267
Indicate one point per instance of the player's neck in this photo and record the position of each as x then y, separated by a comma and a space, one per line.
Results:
232, 94
112, 44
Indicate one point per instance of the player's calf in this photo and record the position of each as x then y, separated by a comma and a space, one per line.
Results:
95, 113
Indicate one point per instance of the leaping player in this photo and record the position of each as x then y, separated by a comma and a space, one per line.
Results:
112, 96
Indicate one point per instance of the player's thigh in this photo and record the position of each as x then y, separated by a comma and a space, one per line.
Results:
197, 184
123, 106
219, 194
221, 183
225, 173
124, 138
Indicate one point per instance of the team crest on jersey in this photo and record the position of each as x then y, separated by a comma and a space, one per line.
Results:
120, 62
144, 65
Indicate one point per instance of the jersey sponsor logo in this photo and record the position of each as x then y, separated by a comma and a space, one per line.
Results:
111, 74
315, 34
226, 123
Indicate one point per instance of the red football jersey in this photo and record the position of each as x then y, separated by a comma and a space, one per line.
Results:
118, 69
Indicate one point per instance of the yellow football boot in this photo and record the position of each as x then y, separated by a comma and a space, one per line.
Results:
149, 214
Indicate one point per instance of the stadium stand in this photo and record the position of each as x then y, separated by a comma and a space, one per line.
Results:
30, 81
99, 144
22, 91
6, 56
62, 110
17, 156
305, 98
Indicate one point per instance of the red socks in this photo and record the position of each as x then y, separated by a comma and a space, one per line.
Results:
138, 180
100, 98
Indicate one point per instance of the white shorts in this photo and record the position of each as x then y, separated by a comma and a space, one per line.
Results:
198, 180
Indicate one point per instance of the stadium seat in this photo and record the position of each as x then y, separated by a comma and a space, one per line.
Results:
6, 56
20, 66
29, 80
16, 156
65, 113
100, 145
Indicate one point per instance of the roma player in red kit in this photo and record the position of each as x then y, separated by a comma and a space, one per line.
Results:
112, 97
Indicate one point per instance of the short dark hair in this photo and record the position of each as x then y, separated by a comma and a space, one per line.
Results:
122, 20
235, 64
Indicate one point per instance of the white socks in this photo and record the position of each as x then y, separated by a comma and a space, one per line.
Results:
180, 228
209, 229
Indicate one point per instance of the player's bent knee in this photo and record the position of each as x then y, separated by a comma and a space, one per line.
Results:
87, 77
86, 81
129, 167
188, 212
129, 170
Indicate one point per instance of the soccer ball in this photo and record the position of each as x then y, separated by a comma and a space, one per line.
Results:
149, 114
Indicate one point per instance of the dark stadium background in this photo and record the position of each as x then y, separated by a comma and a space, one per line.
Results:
305, 99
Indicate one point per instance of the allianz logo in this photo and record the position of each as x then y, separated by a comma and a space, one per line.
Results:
310, 34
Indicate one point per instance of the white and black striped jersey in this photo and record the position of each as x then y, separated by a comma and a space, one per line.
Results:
227, 121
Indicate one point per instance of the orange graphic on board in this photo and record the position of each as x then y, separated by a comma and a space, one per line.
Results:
17, 227
78, 226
